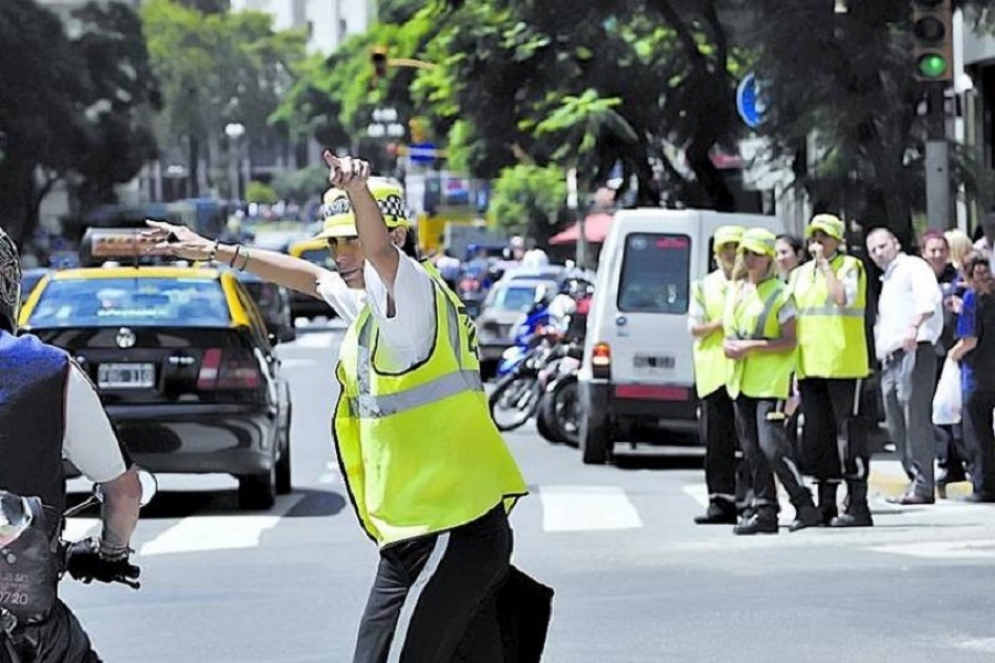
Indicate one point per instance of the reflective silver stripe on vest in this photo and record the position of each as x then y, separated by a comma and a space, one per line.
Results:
368, 406
758, 332
451, 384
833, 311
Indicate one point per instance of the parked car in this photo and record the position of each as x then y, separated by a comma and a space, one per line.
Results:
505, 305
274, 304
314, 251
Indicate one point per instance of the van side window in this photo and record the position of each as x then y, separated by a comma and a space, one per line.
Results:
655, 274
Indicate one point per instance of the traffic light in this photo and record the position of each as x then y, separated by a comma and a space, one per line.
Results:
378, 57
932, 36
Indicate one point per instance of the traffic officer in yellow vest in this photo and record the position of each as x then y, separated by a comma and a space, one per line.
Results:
711, 372
428, 473
759, 329
830, 293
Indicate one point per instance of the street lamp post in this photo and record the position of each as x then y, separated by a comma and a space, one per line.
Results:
234, 131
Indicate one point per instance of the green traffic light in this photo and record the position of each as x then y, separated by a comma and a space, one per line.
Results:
932, 65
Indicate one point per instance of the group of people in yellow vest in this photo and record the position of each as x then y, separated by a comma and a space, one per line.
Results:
762, 343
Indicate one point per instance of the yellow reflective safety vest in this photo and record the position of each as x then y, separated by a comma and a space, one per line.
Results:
754, 314
419, 451
831, 339
711, 366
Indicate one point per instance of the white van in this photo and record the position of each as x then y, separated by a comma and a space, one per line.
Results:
637, 377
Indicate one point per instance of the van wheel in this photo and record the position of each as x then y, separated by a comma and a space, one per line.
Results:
284, 483
595, 443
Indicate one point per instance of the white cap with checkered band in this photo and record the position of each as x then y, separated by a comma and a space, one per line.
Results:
340, 220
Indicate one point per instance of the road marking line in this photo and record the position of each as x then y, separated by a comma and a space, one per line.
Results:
315, 340
79, 528
297, 363
328, 477
984, 645
698, 491
202, 533
976, 549
585, 508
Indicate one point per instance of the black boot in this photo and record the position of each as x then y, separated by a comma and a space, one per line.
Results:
858, 513
718, 513
806, 515
827, 501
763, 521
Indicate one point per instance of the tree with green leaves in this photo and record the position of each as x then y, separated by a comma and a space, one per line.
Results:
844, 110
529, 200
74, 108
217, 68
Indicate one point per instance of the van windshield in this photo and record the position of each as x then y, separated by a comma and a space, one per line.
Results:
655, 274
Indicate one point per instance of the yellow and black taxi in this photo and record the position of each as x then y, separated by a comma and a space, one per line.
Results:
181, 358
314, 251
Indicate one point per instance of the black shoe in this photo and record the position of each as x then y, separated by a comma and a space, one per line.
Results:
805, 516
857, 517
717, 515
757, 525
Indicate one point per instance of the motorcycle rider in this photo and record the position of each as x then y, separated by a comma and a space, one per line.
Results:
49, 410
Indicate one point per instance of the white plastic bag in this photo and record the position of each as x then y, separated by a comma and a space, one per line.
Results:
947, 400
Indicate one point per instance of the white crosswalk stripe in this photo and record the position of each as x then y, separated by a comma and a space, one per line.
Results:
586, 508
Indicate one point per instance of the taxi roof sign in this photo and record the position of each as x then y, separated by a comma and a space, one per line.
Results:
100, 245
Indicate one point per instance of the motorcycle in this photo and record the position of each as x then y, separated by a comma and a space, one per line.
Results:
558, 415
18, 516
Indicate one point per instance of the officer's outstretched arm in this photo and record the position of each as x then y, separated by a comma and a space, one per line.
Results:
273, 266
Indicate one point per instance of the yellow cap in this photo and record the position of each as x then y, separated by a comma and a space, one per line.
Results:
827, 223
758, 240
727, 235
340, 221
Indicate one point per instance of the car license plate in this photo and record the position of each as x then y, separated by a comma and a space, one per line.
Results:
653, 361
126, 376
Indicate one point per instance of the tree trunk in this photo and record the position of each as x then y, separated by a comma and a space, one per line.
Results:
193, 163
17, 189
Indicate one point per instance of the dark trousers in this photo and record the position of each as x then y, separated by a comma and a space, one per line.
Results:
980, 439
718, 430
430, 591
834, 441
768, 453
58, 639
907, 386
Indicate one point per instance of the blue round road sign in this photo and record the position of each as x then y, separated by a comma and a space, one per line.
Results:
749, 101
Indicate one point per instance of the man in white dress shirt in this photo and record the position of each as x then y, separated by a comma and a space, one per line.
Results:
909, 322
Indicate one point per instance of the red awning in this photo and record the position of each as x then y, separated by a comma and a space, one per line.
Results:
596, 228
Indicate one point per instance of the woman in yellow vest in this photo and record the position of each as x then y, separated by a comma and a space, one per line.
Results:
759, 328
429, 475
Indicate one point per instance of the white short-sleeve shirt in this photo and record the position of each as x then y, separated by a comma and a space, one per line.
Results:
89, 441
406, 338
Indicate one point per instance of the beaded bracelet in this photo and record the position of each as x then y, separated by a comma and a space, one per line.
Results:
238, 247
245, 260
214, 250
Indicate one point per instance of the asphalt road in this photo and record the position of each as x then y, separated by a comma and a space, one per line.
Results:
636, 580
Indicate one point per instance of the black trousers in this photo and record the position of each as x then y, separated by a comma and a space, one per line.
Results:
768, 453
980, 439
58, 639
430, 591
718, 431
834, 441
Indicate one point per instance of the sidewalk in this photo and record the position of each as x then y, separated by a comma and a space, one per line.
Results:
888, 479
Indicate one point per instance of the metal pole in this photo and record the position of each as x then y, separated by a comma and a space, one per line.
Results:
937, 163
